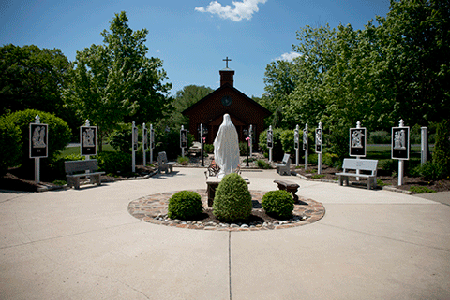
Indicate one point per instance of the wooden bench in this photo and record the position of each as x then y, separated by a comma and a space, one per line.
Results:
288, 186
285, 166
74, 167
366, 168
163, 163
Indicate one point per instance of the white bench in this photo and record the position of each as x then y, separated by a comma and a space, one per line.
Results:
285, 166
368, 168
73, 167
163, 163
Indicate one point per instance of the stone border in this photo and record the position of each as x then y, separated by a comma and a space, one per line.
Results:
153, 209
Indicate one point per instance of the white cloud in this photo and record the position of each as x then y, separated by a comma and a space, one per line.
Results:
288, 56
241, 10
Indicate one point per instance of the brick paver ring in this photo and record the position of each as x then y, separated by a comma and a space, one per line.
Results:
153, 209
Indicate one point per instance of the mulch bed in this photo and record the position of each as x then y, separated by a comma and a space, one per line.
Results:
328, 173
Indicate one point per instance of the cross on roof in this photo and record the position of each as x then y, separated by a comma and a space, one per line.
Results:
227, 60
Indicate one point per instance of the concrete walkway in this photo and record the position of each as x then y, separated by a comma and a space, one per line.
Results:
84, 245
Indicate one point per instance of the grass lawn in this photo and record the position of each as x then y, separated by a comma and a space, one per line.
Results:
77, 150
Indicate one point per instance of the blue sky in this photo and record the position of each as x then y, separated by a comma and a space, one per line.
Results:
191, 37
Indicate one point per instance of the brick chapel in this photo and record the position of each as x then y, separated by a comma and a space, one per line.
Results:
210, 109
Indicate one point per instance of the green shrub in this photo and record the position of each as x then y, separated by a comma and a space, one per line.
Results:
10, 149
283, 142
233, 200
318, 176
331, 159
58, 166
183, 160
185, 205
59, 137
113, 162
386, 167
429, 171
243, 149
441, 153
263, 165
278, 204
420, 189
120, 139
208, 148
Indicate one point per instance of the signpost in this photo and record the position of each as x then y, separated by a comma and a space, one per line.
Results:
305, 144
250, 135
134, 146
183, 140
270, 142
358, 142
144, 143
424, 146
400, 142
318, 136
88, 136
152, 142
38, 144
296, 144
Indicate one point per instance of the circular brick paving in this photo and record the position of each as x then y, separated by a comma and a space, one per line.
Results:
153, 209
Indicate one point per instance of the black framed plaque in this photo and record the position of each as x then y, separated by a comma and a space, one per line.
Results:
358, 142
88, 136
318, 140
400, 143
270, 139
38, 140
183, 138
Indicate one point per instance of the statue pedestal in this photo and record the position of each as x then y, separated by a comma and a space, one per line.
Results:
211, 186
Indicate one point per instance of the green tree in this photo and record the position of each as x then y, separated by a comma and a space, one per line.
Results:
415, 36
115, 82
280, 79
33, 78
185, 98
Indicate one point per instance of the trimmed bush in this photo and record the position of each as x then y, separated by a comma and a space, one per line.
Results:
263, 165
59, 136
233, 200
441, 153
113, 162
10, 149
208, 148
278, 204
185, 205
183, 160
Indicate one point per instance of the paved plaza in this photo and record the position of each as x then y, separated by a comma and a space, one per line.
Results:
83, 244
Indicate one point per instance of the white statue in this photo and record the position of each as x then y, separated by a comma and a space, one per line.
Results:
226, 147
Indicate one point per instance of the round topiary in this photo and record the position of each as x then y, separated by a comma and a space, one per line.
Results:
233, 200
185, 205
278, 204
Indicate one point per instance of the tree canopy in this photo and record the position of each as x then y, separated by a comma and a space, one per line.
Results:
115, 82
32, 78
377, 75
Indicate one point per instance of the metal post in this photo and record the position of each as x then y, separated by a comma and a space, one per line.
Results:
250, 141
182, 149
319, 171
36, 160
201, 140
143, 146
152, 138
270, 149
400, 162
296, 140
133, 152
306, 147
424, 146
358, 125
